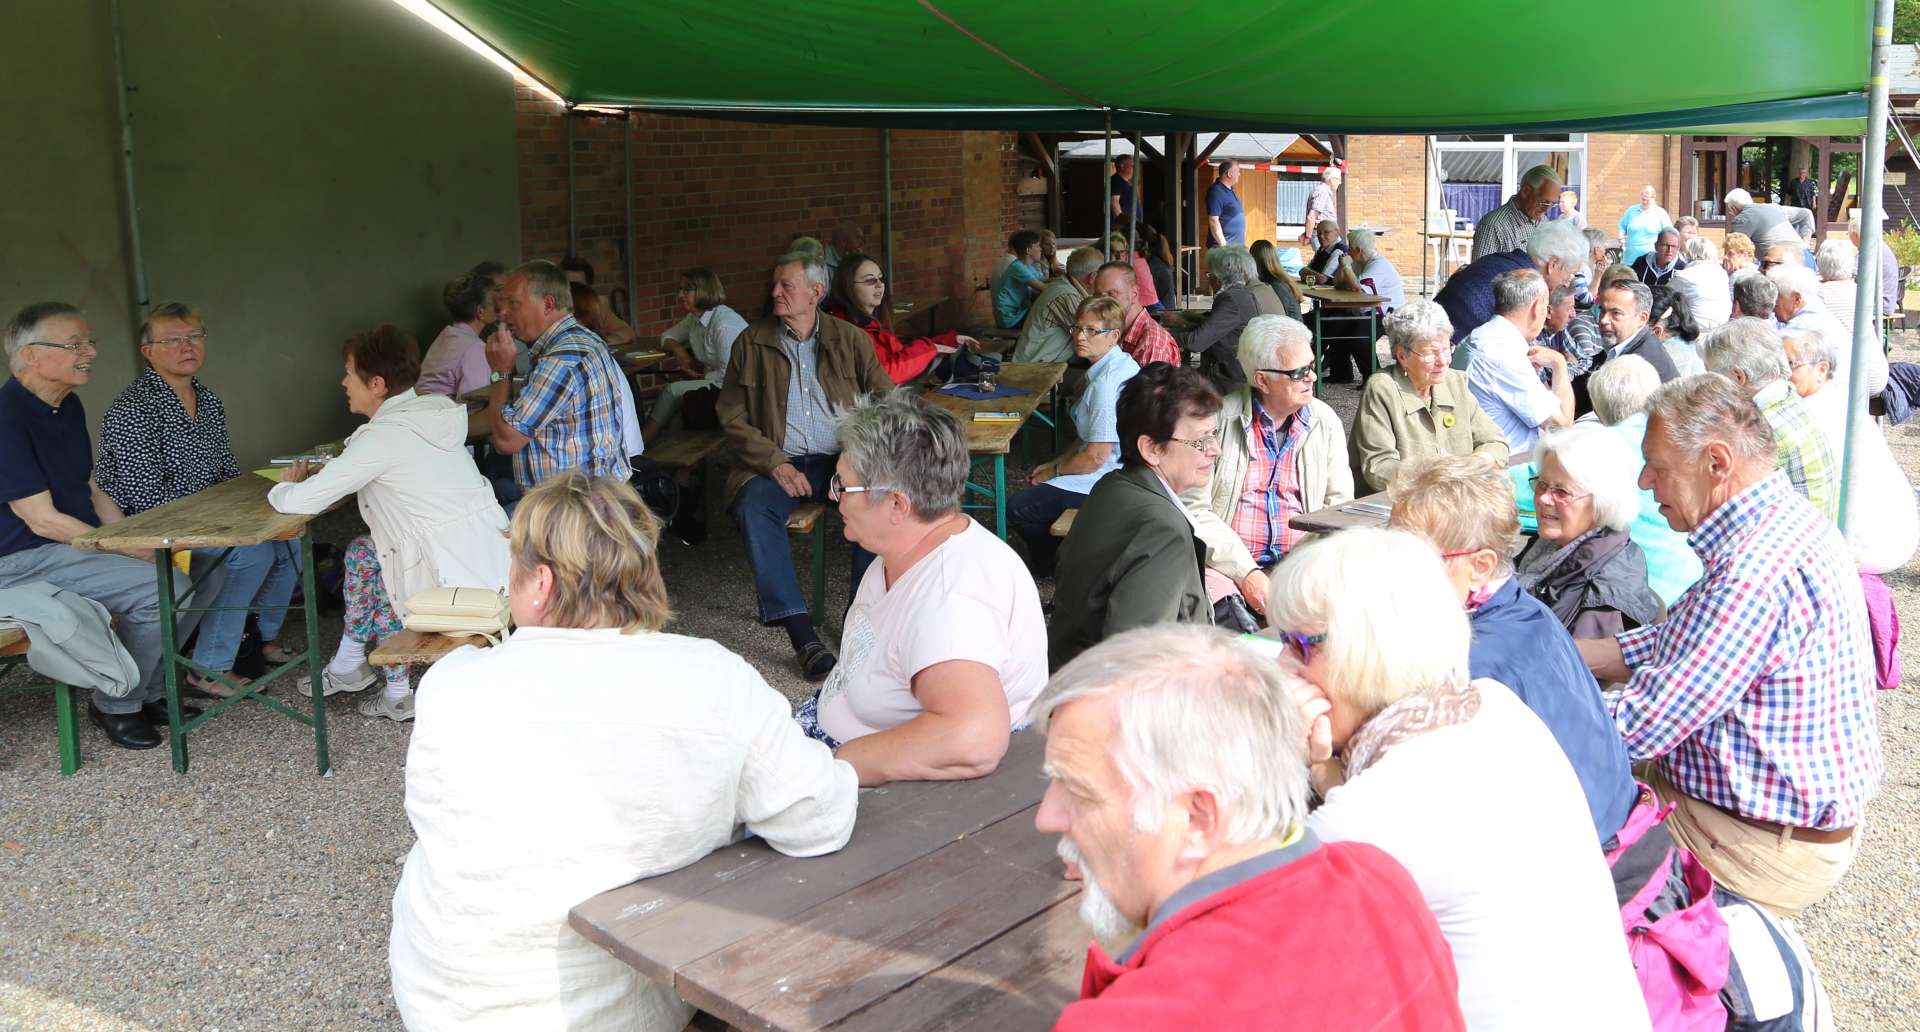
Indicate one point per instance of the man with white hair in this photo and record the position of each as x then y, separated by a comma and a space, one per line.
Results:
1556, 250
1282, 453
1179, 790
1747, 351
1798, 305
1753, 294
1509, 226
1047, 333
1217, 337
1837, 261
1321, 205
1767, 224
1753, 700
1501, 372
1883, 524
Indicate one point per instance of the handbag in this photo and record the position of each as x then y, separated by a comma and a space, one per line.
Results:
459, 611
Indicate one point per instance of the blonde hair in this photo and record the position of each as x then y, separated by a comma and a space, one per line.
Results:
602, 543
1738, 245
1112, 314
1461, 503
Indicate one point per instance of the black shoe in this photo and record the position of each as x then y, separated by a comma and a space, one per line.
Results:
816, 660
126, 730
156, 712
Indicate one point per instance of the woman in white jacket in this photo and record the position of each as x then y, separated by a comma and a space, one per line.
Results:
587, 751
432, 518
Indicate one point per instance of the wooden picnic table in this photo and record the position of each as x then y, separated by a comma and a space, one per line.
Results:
1331, 304
232, 514
905, 309
946, 910
1366, 511
991, 440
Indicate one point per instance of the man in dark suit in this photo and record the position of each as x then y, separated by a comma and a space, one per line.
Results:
1624, 309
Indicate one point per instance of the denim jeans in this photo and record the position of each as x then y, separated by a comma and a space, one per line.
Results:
256, 575
1031, 514
761, 510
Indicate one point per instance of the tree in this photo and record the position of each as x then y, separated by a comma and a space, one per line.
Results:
1906, 21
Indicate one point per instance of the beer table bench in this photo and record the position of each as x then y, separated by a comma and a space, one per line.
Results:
947, 910
228, 515
990, 441
1334, 306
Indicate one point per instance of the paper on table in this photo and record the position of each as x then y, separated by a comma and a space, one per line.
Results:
271, 473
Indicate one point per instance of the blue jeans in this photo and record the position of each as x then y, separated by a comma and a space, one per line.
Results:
255, 575
1031, 514
761, 510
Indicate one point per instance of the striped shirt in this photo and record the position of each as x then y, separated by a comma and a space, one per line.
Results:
1756, 693
1799, 448
1270, 496
569, 409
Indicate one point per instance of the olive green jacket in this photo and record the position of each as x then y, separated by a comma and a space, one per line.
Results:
1132, 559
1393, 424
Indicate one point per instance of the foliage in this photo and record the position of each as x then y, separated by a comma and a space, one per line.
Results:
1905, 241
1906, 21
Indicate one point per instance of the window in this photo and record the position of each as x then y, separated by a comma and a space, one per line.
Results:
1478, 173
1766, 167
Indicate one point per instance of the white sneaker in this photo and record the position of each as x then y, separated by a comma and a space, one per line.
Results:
334, 682
379, 706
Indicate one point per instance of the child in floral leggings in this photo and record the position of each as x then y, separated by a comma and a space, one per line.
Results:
370, 618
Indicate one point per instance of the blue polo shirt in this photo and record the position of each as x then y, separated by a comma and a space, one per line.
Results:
1224, 204
1518, 642
42, 448
1467, 297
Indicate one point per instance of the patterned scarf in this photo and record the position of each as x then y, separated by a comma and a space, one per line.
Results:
1409, 718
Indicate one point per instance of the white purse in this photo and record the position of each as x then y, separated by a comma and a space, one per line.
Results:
459, 611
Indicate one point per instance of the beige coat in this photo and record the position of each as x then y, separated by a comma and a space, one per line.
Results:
1394, 424
1325, 480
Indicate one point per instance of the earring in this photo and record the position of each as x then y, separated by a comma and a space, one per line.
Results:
538, 603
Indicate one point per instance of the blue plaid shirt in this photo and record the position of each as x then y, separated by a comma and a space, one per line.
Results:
569, 409
1756, 693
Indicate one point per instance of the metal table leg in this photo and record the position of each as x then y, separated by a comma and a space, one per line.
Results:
169, 657
1000, 496
310, 609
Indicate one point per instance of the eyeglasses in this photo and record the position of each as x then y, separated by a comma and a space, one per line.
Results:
838, 489
1768, 263
196, 338
1199, 444
1463, 552
871, 281
72, 345
1092, 331
1303, 644
1431, 354
1558, 494
1296, 375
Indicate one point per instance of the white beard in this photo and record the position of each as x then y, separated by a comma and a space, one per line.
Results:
1113, 930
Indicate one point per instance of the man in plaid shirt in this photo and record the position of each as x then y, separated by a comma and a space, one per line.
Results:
568, 416
1749, 352
1754, 699
1142, 338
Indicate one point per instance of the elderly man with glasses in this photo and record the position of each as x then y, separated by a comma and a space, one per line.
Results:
164, 438
47, 483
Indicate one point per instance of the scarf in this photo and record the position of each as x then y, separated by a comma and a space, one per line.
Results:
1411, 717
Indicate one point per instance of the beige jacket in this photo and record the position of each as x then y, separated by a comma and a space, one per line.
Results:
1394, 425
1325, 479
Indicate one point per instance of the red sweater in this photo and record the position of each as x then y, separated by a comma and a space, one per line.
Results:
902, 360
1337, 938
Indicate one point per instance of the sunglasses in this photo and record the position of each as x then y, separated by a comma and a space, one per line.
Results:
1303, 644
1296, 375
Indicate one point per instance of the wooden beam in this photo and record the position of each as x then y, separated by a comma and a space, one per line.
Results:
1147, 149
1039, 151
1214, 146
1054, 212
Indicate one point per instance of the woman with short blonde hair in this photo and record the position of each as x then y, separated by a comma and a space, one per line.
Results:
700, 344
586, 751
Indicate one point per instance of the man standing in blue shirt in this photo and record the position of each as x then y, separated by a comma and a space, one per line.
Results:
1226, 219
46, 483
1120, 190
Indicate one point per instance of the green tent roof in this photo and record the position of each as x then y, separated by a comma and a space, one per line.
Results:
1359, 66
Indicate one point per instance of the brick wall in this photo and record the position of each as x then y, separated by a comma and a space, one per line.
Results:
728, 195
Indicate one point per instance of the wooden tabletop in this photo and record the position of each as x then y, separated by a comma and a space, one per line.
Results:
1343, 298
946, 910
996, 438
913, 305
233, 513
12, 641
1367, 511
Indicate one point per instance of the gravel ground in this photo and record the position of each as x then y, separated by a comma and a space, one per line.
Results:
251, 894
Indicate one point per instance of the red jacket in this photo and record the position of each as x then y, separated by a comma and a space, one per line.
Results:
1339, 937
903, 361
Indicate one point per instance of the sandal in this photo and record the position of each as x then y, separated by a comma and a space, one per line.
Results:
274, 654
206, 688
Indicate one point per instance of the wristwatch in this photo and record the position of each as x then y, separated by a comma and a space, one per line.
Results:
497, 376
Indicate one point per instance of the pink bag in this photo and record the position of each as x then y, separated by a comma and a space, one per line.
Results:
1681, 957
1884, 621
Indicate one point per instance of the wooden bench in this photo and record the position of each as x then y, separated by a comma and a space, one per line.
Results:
420, 648
808, 520
1063, 524
687, 449
13, 651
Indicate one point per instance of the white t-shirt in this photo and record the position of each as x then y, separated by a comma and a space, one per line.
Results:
1489, 819
970, 598
1381, 279
1883, 526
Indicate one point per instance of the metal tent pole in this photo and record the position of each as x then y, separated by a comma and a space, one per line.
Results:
1426, 213
886, 203
1106, 235
1133, 217
136, 258
633, 257
1866, 291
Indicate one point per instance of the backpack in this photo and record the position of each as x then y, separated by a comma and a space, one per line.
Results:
1675, 935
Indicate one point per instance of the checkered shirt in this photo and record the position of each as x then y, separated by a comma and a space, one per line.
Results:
1270, 496
1799, 448
1148, 341
1756, 693
1503, 229
569, 408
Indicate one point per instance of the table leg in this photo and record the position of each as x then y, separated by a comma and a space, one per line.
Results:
1000, 496
310, 609
1319, 364
169, 657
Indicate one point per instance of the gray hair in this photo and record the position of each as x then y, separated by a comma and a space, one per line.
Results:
1604, 464
1560, 240
1706, 407
1836, 260
1539, 174
1417, 320
1194, 710
1754, 294
1265, 335
811, 263
168, 310
1331, 172
1515, 289
898, 441
1364, 243
1797, 280
26, 325
1702, 249
1737, 198
1621, 388
1750, 345
1083, 262
1231, 264
545, 279
1595, 238
1813, 347
1642, 294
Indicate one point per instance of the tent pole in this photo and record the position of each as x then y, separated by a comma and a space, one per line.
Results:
1134, 215
633, 258
137, 261
886, 205
1426, 213
1176, 159
1866, 293
1106, 235
573, 219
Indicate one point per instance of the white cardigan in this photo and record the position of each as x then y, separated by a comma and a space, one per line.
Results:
563, 763
433, 516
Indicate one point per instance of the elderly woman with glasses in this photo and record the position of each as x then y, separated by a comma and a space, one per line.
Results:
1132, 557
945, 648
574, 758
1583, 564
1425, 749
1063, 483
700, 343
1420, 406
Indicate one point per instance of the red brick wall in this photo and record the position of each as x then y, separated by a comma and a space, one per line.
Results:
728, 195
